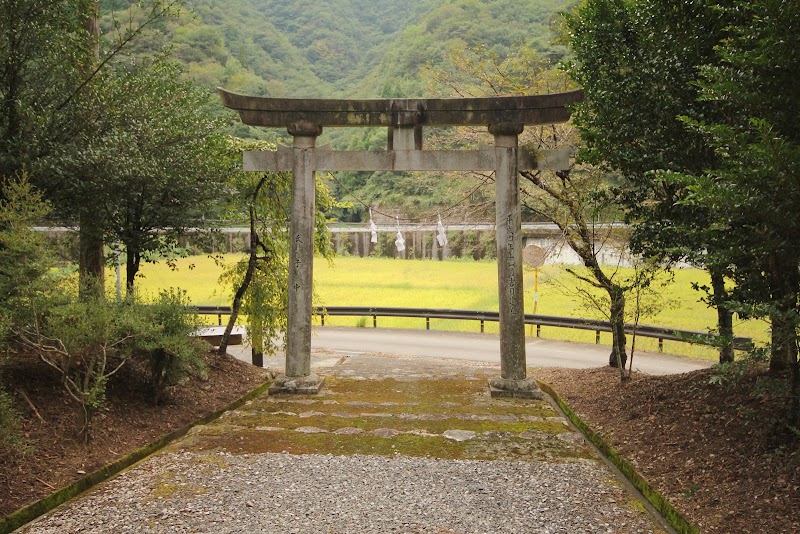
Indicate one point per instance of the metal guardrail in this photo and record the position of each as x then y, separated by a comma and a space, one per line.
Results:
659, 332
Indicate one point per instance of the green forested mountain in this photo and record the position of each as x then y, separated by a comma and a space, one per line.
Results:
500, 26
341, 49
338, 48
230, 44
342, 41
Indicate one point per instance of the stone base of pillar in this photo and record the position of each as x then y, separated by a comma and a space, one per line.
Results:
297, 385
520, 389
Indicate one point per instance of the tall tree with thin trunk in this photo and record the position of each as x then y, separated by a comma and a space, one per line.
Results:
260, 281
578, 201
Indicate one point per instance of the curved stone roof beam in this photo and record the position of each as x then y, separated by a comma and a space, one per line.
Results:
281, 112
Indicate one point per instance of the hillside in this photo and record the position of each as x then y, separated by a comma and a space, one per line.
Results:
341, 48
341, 41
499, 26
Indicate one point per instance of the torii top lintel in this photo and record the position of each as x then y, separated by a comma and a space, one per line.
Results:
281, 112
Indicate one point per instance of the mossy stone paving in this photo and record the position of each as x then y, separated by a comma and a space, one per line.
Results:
442, 416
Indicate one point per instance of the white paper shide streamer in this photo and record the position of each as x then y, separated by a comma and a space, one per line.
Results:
399, 242
373, 228
441, 235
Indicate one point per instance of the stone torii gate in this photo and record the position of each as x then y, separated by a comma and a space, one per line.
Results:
304, 119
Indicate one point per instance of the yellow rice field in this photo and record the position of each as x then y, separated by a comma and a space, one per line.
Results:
459, 284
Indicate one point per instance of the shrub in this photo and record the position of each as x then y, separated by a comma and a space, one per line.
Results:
86, 341
24, 258
167, 341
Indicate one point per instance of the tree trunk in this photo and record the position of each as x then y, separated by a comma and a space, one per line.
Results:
132, 262
784, 344
257, 357
237, 301
252, 263
794, 391
92, 27
618, 356
724, 315
91, 264
785, 281
240, 291
158, 370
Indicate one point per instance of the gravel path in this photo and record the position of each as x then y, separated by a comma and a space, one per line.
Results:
222, 492
231, 476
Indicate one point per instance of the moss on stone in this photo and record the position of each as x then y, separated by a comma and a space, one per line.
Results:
664, 507
166, 488
269, 424
514, 449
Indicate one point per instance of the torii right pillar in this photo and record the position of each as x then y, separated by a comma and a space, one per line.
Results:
513, 380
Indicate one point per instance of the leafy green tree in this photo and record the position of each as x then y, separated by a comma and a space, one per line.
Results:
637, 61
86, 128
53, 102
260, 281
722, 192
42, 49
159, 165
755, 190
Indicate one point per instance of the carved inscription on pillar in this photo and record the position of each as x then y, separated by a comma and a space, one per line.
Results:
297, 243
511, 263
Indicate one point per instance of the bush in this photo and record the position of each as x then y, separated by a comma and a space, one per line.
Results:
167, 341
86, 341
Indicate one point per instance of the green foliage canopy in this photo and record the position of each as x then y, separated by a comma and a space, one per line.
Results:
636, 62
756, 188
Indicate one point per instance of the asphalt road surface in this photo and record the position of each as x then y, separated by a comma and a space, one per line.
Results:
332, 341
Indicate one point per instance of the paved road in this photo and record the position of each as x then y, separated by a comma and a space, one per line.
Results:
476, 347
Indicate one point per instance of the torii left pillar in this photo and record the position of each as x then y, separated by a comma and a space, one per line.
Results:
298, 377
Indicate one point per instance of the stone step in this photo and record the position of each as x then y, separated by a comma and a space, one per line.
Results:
437, 418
